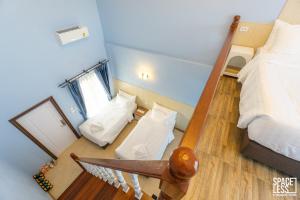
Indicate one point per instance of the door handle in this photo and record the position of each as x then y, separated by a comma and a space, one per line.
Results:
63, 123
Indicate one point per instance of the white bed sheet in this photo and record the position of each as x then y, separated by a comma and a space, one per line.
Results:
147, 141
270, 102
113, 118
274, 135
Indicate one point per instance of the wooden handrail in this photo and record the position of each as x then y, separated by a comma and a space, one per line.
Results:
176, 173
183, 164
149, 168
197, 122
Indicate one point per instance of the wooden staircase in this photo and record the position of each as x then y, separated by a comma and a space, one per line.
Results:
89, 187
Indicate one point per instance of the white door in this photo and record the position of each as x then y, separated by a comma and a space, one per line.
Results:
48, 127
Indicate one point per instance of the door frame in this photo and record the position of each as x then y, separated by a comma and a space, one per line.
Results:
50, 99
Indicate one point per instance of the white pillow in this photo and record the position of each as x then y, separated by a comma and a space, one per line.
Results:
287, 40
123, 101
128, 96
164, 118
159, 116
163, 114
172, 114
278, 23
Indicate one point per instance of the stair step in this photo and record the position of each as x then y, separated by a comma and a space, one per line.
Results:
89, 187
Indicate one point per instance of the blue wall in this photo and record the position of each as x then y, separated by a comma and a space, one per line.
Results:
15, 184
168, 76
192, 30
32, 64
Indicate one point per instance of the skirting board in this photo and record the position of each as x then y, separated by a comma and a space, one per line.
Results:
146, 98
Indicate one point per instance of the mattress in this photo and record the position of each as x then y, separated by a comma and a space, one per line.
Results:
113, 118
147, 141
277, 136
270, 102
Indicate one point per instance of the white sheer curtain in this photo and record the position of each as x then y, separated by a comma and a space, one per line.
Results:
93, 93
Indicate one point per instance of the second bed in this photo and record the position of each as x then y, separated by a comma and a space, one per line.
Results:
151, 136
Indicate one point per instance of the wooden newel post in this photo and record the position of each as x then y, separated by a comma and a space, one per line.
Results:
235, 23
76, 158
73, 156
183, 165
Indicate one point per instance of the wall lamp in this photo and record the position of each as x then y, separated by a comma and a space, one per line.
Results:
144, 76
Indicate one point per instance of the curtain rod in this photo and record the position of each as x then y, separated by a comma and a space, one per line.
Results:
84, 72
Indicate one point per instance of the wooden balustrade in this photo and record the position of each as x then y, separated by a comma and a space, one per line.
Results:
183, 164
197, 122
176, 173
137, 189
122, 181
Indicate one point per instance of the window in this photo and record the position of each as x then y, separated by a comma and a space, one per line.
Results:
93, 93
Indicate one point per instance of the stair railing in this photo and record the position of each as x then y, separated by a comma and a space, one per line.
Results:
175, 173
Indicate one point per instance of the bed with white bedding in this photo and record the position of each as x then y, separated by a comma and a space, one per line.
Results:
103, 128
150, 138
270, 100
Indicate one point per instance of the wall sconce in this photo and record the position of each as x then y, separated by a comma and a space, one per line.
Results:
144, 76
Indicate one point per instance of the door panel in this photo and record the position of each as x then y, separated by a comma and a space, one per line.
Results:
48, 127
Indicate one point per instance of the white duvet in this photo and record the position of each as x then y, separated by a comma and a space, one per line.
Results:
113, 118
270, 102
147, 141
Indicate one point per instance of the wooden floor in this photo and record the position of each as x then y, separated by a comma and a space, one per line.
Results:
224, 173
89, 187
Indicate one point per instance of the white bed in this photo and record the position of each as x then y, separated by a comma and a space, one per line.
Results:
148, 140
106, 126
270, 100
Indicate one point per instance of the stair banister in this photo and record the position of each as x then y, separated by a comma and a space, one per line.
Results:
183, 164
122, 181
150, 168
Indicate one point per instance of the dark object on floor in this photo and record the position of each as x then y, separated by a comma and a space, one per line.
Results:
43, 182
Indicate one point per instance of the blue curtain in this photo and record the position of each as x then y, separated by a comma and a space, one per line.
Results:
103, 75
76, 94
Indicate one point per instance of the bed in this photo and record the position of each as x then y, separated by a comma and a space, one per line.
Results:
104, 128
150, 137
270, 101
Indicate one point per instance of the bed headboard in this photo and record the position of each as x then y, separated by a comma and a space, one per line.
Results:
290, 13
259, 32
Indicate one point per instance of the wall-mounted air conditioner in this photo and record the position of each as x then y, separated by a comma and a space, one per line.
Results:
72, 34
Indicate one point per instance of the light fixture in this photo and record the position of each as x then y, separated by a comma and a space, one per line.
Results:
144, 76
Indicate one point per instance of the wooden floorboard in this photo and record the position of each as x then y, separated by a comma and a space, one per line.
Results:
91, 189
224, 173
74, 188
107, 192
